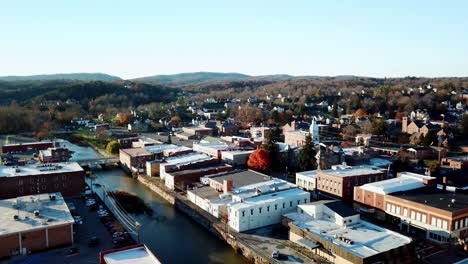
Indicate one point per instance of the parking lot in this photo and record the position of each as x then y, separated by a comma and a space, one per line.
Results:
91, 227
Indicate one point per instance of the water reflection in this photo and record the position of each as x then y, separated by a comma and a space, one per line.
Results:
172, 236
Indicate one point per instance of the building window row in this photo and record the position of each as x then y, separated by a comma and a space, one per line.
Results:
268, 207
462, 223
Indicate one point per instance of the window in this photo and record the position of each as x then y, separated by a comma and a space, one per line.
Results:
398, 210
423, 218
20, 182
276, 207
298, 202
456, 225
305, 200
251, 211
433, 221
268, 208
439, 223
444, 225
43, 179
243, 213
44, 187
290, 203
32, 189
405, 212
388, 207
413, 215
260, 210
284, 204
418, 217
21, 190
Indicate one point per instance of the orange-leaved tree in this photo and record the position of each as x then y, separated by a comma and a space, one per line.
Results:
259, 160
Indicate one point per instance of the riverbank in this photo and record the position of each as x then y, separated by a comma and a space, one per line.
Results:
244, 244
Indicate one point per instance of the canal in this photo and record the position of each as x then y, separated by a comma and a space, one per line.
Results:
171, 235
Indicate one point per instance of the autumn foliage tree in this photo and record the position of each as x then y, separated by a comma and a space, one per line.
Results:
259, 160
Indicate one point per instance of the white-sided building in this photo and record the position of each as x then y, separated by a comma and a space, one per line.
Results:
236, 157
307, 180
331, 229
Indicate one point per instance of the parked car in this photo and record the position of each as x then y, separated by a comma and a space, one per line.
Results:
275, 254
92, 242
118, 240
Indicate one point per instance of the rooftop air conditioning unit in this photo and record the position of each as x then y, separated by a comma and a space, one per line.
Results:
16, 217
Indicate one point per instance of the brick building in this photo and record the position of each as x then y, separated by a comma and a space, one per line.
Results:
458, 162
340, 180
34, 223
20, 147
413, 201
67, 178
56, 154
134, 159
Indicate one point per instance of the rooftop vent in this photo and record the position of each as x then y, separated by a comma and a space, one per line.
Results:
36, 213
16, 217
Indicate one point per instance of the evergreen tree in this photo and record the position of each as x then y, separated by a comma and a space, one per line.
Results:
306, 158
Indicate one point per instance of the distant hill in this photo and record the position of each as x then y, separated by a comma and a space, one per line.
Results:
63, 76
182, 79
202, 78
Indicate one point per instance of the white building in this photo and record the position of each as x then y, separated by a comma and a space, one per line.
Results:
307, 180
265, 209
334, 231
212, 149
236, 157
180, 160
249, 199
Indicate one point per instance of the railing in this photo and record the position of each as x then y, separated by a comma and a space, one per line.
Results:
126, 220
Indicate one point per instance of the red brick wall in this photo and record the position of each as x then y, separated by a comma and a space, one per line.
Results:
69, 184
8, 244
34, 241
60, 236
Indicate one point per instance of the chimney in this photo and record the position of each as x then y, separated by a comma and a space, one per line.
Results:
444, 183
404, 124
227, 186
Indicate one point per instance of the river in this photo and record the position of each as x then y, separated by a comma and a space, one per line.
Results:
171, 235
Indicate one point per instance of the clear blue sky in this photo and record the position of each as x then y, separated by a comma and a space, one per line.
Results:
138, 38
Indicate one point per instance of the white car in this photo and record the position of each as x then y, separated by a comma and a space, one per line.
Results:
275, 254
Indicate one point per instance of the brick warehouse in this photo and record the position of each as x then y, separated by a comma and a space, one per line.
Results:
413, 201
67, 178
34, 223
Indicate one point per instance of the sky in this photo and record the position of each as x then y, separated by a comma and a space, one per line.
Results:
148, 37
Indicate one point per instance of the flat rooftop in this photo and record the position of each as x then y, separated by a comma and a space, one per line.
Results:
166, 149
51, 213
268, 198
188, 158
458, 158
431, 196
39, 169
205, 192
241, 178
368, 239
136, 152
196, 170
393, 185
265, 187
137, 255
311, 174
341, 171
236, 152
217, 146
28, 143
